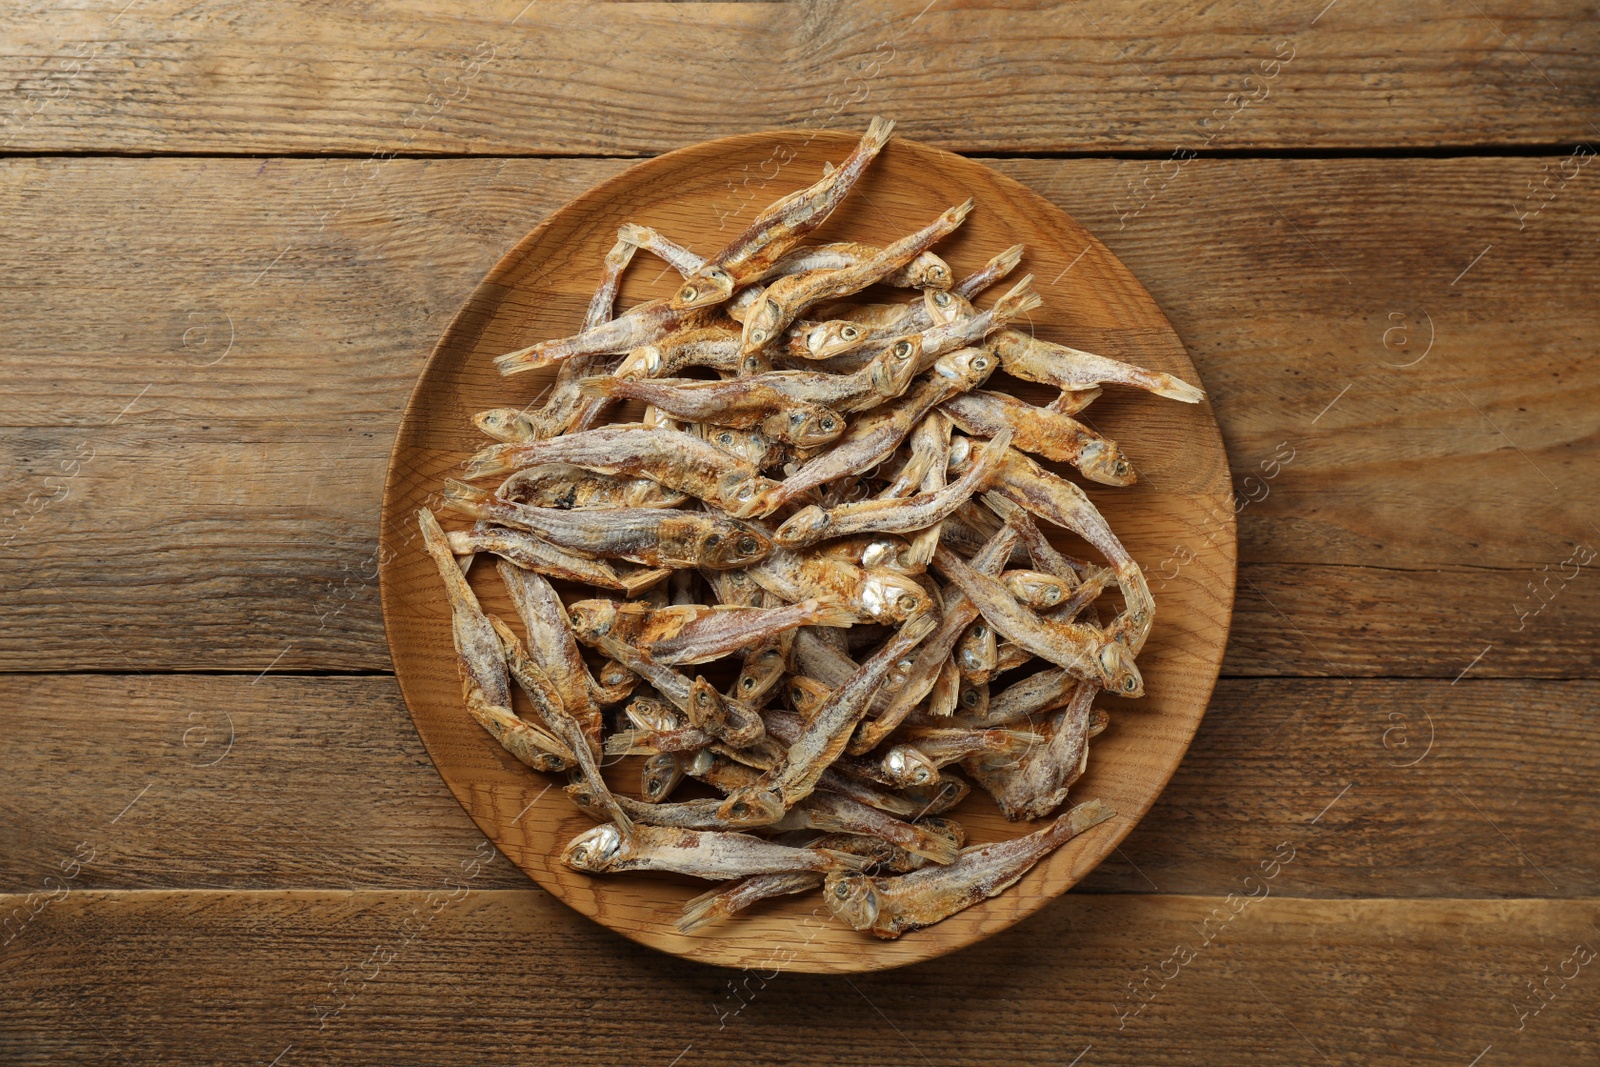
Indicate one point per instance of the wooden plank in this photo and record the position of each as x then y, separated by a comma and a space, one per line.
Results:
1381, 549
469, 977
509, 78
293, 782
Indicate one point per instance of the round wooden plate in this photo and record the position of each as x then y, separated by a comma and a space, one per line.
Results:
1177, 521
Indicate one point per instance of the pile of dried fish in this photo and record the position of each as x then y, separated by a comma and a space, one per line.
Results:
821, 498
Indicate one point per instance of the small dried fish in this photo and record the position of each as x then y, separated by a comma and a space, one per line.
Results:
1035, 360
878, 433
534, 554
699, 854
699, 633
1081, 649
562, 485
904, 515
1043, 432
650, 536
781, 226
785, 298
676, 460
888, 907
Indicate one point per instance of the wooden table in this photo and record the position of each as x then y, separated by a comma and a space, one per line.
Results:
232, 233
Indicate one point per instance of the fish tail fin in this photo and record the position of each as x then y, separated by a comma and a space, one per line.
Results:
602, 385
1019, 301
635, 234
843, 860
1174, 388
936, 848
487, 462
707, 909
829, 612
1006, 261
877, 135
467, 499
1090, 813
959, 213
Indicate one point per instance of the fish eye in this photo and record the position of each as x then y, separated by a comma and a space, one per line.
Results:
797, 694
1129, 685
725, 439
981, 363
920, 776
841, 891
758, 336
942, 299
827, 424
748, 683
688, 292
1052, 594
903, 349
970, 698
907, 602
849, 333
713, 540
747, 544
740, 810
978, 632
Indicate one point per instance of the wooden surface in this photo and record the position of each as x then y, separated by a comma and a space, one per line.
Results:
541, 289
228, 518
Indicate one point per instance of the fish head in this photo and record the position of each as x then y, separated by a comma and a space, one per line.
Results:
586, 801
705, 703
643, 362
595, 850
807, 694
657, 779
890, 598
884, 552
615, 682
752, 806
744, 495
948, 829
892, 371
1036, 589
973, 699
1104, 462
907, 766
648, 714
761, 324
730, 545
1117, 672
945, 307
950, 792
834, 338
968, 368
853, 898
975, 652
758, 673
592, 619
807, 426
804, 527
928, 271
707, 286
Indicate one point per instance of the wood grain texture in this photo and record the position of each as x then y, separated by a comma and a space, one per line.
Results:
279, 311
534, 292
326, 785
969, 75
466, 977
